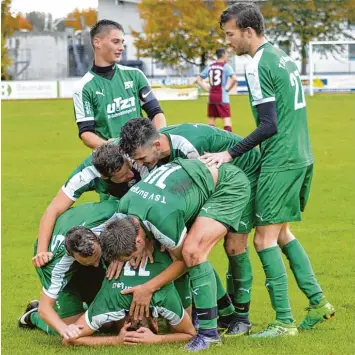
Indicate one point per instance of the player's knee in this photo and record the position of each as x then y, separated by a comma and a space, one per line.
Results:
266, 236
235, 244
262, 242
285, 236
191, 254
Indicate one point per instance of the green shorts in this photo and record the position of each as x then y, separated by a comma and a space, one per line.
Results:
247, 221
281, 196
69, 302
231, 196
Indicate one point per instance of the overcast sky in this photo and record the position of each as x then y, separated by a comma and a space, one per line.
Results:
58, 8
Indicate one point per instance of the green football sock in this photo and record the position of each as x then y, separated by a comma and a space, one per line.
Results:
229, 282
224, 303
204, 285
302, 270
276, 282
242, 276
40, 324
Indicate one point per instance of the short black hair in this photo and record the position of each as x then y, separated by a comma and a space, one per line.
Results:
220, 52
137, 133
107, 159
80, 240
118, 239
245, 14
102, 26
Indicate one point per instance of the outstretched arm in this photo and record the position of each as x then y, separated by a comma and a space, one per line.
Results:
59, 204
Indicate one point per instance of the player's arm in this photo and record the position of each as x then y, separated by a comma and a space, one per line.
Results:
149, 102
263, 99
58, 205
183, 331
232, 80
266, 129
91, 139
151, 106
51, 318
86, 338
85, 119
201, 80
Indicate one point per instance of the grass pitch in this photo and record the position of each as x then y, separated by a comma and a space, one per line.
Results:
40, 147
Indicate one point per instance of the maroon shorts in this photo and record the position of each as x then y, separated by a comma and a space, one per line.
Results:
219, 110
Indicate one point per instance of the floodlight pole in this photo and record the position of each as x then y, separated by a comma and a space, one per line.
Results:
310, 63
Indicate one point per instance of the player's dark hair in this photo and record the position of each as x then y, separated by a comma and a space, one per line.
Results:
245, 14
103, 26
146, 322
80, 240
220, 53
137, 133
107, 159
118, 239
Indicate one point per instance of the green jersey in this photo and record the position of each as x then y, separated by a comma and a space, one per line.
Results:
55, 275
168, 199
109, 102
190, 140
86, 178
111, 305
273, 76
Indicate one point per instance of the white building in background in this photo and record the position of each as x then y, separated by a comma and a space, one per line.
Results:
38, 56
126, 13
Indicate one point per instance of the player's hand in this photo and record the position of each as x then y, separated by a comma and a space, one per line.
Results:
123, 332
141, 336
143, 258
217, 159
71, 331
140, 303
42, 259
114, 269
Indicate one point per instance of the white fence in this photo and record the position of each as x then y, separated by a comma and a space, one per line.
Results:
17, 90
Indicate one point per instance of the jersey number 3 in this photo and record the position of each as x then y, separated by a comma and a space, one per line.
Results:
215, 77
296, 81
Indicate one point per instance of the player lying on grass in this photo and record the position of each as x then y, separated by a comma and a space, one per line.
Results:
151, 148
68, 279
112, 306
180, 195
83, 179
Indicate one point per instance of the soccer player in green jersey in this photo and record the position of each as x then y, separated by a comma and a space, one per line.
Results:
188, 208
66, 284
149, 147
110, 305
279, 107
83, 179
110, 94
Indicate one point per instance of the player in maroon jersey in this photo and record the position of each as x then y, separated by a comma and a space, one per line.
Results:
221, 80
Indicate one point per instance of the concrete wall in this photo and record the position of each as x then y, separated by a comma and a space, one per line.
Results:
45, 53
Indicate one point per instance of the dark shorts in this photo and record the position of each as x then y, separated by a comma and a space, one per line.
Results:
219, 110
